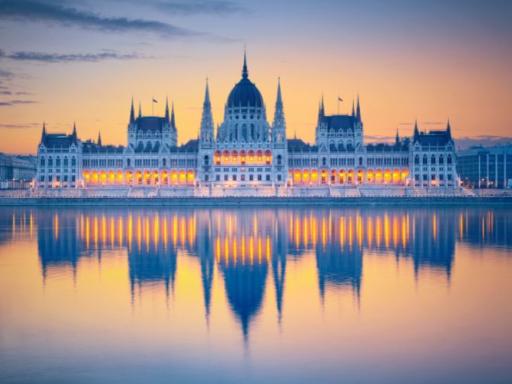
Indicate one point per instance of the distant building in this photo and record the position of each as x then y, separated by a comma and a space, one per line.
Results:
16, 171
481, 167
246, 155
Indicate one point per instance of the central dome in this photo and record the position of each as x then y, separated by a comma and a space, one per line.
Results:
245, 93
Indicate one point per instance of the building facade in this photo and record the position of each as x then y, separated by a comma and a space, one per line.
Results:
481, 167
246, 155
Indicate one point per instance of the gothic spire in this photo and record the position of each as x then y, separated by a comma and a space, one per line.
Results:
279, 122
449, 128
74, 130
132, 113
279, 100
207, 94
397, 137
321, 111
99, 138
43, 134
206, 129
358, 109
245, 72
416, 130
173, 118
353, 109
140, 109
166, 109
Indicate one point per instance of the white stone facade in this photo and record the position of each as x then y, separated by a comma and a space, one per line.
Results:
246, 156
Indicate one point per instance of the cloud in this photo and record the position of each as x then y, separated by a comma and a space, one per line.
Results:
20, 126
195, 7
4, 73
10, 103
46, 57
54, 13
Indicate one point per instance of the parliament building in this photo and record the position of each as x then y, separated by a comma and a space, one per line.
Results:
246, 155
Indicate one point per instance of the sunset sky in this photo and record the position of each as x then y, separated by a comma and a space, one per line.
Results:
83, 61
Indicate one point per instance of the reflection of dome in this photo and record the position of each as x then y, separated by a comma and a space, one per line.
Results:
245, 92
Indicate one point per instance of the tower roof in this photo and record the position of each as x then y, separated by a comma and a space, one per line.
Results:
245, 93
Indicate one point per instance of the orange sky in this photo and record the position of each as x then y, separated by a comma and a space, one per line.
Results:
429, 64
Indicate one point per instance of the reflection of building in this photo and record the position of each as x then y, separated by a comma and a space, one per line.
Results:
433, 239
245, 288
152, 264
57, 240
250, 247
246, 155
485, 227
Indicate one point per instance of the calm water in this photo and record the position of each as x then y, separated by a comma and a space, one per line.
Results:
260, 295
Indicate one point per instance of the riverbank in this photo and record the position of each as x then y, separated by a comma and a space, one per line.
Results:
257, 201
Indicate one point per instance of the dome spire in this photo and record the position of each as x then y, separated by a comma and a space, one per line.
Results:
245, 72
207, 94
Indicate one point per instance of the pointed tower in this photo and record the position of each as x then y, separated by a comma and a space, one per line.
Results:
321, 126
358, 110
173, 118
416, 132
280, 144
206, 140
449, 128
140, 110
321, 109
132, 113
397, 137
99, 138
279, 124
43, 133
353, 109
167, 110
73, 134
206, 129
245, 72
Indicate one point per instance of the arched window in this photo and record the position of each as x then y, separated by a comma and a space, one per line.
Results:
65, 161
42, 161
127, 162
50, 161
164, 162
425, 160
73, 161
324, 161
206, 160
449, 159
244, 132
279, 159
57, 162
441, 159
416, 160
433, 160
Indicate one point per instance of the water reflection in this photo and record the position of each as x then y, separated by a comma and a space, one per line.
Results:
250, 248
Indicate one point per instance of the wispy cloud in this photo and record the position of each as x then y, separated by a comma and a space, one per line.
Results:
196, 7
47, 57
20, 126
11, 103
55, 13
5, 73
